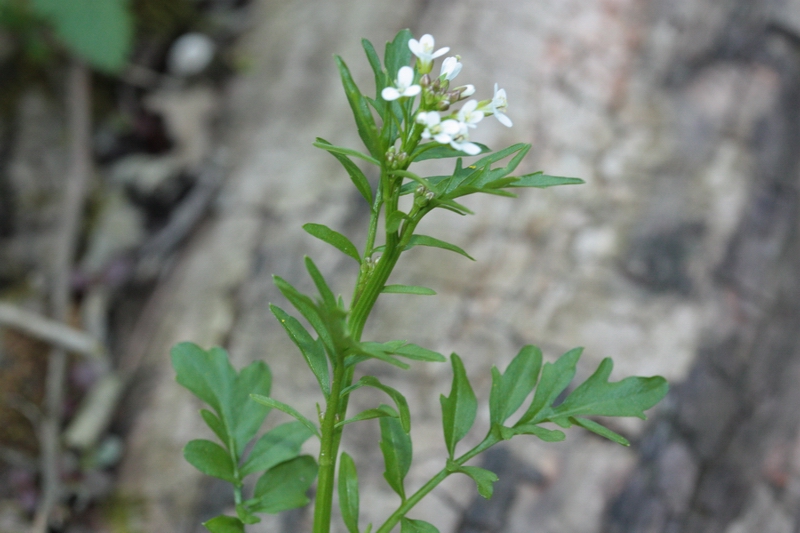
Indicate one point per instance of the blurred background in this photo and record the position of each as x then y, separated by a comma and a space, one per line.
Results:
156, 167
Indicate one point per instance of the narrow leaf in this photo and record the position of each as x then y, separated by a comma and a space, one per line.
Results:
540, 180
248, 415
484, 479
210, 458
276, 446
322, 286
396, 448
348, 492
284, 486
312, 350
458, 409
418, 353
509, 390
394, 220
399, 400
356, 175
333, 149
291, 411
603, 431
308, 309
215, 424
369, 414
434, 150
547, 435
408, 289
397, 54
363, 116
334, 238
224, 524
407, 525
377, 69
424, 240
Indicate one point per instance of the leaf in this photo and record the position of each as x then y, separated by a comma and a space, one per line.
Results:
312, 350
377, 69
434, 150
248, 416
369, 414
356, 175
215, 424
418, 353
245, 515
394, 220
333, 149
484, 479
424, 240
328, 299
291, 411
348, 492
399, 400
284, 486
596, 396
603, 431
308, 309
276, 446
509, 390
98, 31
555, 378
396, 448
363, 116
407, 525
540, 180
547, 435
408, 289
334, 238
210, 458
224, 524
372, 349
207, 374
458, 409
397, 53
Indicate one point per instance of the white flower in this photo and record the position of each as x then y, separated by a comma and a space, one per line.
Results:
404, 83
466, 90
469, 114
423, 49
433, 127
458, 132
451, 66
498, 106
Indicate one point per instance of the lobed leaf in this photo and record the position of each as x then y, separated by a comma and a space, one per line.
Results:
509, 390
284, 486
458, 409
484, 479
396, 447
215, 424
555, 378
276, 446
334, 238
547, 435
211, 459
348, 492
399, 400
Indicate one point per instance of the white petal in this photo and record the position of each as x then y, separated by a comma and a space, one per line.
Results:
469, 90
414, 90
405, 76
442, 138
426, 43
390, 93
451, 127
504, 120
416, 47
470, 148
469, 107
439, 52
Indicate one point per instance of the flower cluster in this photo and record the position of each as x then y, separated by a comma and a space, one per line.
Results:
437, 97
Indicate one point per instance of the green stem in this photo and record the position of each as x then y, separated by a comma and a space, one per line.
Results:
423, 491
327, 454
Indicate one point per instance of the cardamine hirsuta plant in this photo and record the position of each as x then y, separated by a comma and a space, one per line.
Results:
411, 118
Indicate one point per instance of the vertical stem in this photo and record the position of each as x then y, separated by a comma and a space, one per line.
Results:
79, 119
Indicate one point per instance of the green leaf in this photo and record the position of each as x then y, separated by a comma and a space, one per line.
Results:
224, 524
408, 289
434, 150
377, 69
276, 446
356, 175
540, 180
369, 414
333, 149
284, 486
308, 309
215, 424
424, 240
555, 378
312, 350
365, 122
458, 409
207, 374
603, 431
547, 435
396, 448
328, 299
394, 220
248, 416
245, 515
399, 400
509, 390
418, 353
334, 238
348, 492
407, 525
98, 31
596, 396
210, 458
397, 54
484, 479
373, 349
289, 410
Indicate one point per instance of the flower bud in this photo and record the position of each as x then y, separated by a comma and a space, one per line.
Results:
425, 81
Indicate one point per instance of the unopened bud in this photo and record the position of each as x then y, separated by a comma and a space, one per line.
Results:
425, 80
443, 105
